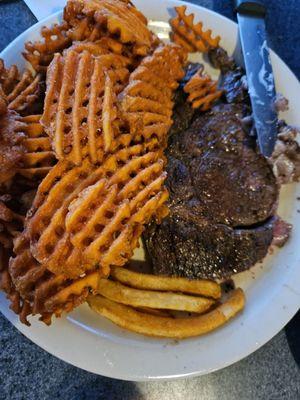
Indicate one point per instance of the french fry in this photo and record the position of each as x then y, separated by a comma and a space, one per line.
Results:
154, 311
150, 325
146, 298
202, 287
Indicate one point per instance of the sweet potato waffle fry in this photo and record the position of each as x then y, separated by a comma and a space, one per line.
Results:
147, 100
189, 35
9, 78
39, 157
21, 91
109, 114
74, 100
109, 17
10, 224
43, 292
11, 142
81, 24
202, 91
40, 53
82, 215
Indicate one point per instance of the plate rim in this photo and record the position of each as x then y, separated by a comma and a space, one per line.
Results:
8, 314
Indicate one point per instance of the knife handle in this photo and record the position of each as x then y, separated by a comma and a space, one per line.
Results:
252, 7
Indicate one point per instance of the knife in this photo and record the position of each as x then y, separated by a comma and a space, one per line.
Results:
261, 87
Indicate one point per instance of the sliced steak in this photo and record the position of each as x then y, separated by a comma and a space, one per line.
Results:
222, 198
233, 183
185, 246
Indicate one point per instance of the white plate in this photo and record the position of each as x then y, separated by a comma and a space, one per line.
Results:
272, 289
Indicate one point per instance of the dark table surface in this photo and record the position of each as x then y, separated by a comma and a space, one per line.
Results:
271, 373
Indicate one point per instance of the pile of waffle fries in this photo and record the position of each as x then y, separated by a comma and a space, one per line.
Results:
83, 132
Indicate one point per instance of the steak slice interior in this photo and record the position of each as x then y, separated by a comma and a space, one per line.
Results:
223, 195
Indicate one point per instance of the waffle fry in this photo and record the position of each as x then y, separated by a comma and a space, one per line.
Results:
202, 91
189, 35
109, 17
9, 77
10, 224
25, 94
97, 48
147, 100
21, 91
11, 143
43, 292
38, 158
74, 99
72, 227
109, 114
116, 214
90, 208
40, 53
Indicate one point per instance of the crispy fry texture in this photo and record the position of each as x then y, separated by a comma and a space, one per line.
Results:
10, 224
11, 142
20, 91
146, 298
147, 100
54, 40
202, 91
74, 102
157, 326
86, 215
43, 292
189, 35
38, 158
163, 283
109, 18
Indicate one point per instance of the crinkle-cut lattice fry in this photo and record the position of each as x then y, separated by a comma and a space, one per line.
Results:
100, 47
113, 17
116, 207
84, 29
109, 113
20, 91
41, 291
72, 239
11, 143
189, 35
41, 53
147, 99
25, 93
74, 100
202, 91
9, 77
39, 157
105, 45
10, 223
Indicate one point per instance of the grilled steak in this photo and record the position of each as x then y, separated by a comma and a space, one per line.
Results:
223, 195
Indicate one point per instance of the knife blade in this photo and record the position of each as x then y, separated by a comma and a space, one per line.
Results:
261, 86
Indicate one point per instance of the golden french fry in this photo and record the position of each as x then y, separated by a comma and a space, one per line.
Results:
150, 325
202, 287
147, 298
154, 311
